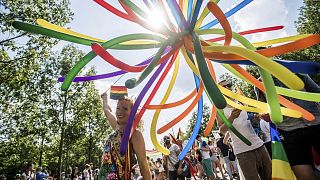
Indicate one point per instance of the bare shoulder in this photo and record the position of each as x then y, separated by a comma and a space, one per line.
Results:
137, 142
137, 136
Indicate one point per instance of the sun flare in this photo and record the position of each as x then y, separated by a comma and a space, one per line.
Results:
156, 20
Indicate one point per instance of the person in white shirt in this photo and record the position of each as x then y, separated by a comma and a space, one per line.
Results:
265, 128
159, 164
254, 160
28, 173
206, 161
87, 174
214, 159
172, 159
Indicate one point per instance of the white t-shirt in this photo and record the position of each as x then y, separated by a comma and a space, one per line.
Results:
204, 154
243, 125
160, 167
173, 157
87, 175
30, 175
265, 128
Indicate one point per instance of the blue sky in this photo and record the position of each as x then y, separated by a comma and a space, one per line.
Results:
91, 19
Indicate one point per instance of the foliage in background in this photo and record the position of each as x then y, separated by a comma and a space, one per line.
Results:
307, 23
205, 119
31, 121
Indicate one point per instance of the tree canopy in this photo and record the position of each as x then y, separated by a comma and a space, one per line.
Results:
38, 122
205, 119
307, 23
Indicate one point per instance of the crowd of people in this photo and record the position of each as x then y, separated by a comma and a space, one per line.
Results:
224, 156
203, 161
30, 172
227, 154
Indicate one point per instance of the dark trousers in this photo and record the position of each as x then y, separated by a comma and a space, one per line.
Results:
268, 146
173, 175
298, 144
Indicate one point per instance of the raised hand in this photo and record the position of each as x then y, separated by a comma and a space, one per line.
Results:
104, 98
235, 113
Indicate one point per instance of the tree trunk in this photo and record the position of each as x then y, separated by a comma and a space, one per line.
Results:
90, 148
90, 143
41, 151
62, 134
67, 162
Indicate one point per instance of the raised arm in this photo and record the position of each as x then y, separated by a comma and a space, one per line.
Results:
310, 85
138, 144
108, 112
179, 170
205, 148
226, 138
234, 114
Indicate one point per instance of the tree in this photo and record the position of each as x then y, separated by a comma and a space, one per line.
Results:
82, 129
23, 80
205, 120
238, 85
22, 59
32, 125
88, 124
29, 11
307, 23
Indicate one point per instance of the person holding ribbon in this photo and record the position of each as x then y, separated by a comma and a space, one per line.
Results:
115, 166
254, 160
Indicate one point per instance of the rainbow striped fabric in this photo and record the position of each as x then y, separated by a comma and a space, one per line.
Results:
118, 92
281, 169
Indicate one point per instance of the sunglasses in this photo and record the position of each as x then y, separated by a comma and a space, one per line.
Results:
227, 86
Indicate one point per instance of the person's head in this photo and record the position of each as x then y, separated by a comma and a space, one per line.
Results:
166, 140
225, 84
198, 138
75, 170
123, 110
39, 169
221, 135
28, 167
87, 166
209, 143
148, 158
158, 160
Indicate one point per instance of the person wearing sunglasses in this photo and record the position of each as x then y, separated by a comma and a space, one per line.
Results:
254, 160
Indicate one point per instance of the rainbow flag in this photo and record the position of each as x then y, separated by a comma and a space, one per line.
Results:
118, 92
281, 169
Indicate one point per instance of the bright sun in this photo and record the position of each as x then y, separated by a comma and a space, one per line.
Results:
156, 20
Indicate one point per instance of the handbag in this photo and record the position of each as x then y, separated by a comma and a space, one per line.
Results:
231, 155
